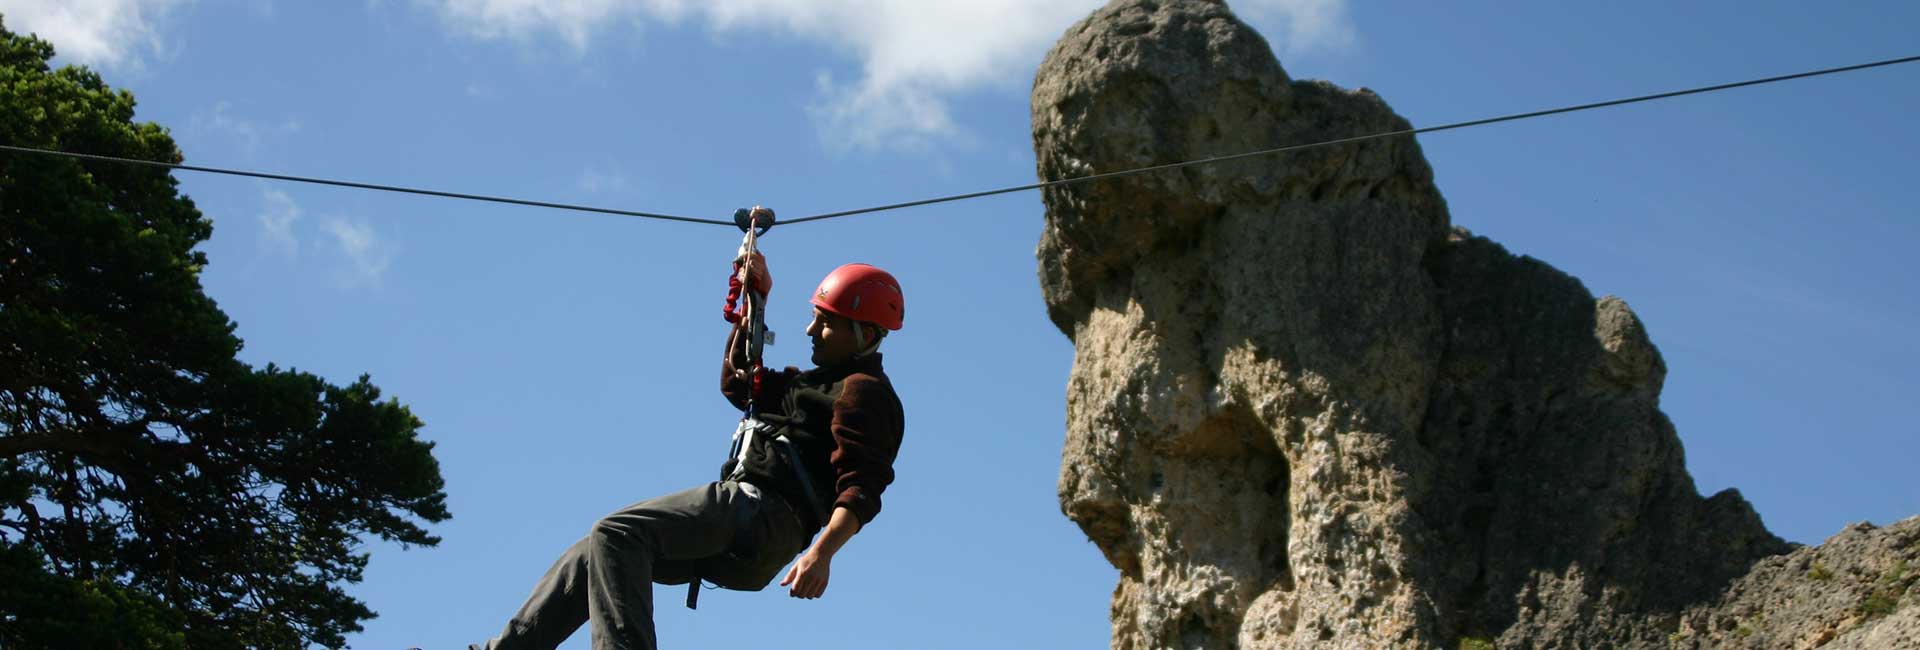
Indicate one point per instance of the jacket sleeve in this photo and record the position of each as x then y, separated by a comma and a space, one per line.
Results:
867, 428
736, 387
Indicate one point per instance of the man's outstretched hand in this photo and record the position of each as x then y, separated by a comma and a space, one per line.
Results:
808, 576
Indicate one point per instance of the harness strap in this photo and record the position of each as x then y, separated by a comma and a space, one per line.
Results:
743, 439
799, 465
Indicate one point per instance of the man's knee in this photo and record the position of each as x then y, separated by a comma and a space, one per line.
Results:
621, 532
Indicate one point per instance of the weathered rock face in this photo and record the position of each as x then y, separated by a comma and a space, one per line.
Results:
1305, 411
1856, 591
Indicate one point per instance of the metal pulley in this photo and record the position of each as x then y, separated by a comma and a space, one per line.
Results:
754, 218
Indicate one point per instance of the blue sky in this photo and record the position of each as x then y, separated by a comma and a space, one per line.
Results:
564, 362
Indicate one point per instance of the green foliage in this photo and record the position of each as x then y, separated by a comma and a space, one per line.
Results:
1887, 591
1819, 572
149, 476
1475, 643
50, 611
1744, 630
1878, 604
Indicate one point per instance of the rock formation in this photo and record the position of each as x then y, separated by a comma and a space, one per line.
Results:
1307, 411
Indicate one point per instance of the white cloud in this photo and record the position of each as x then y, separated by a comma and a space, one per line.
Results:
596, 180
364, 254
914, 56
276, 223
105, 33
1301, 26
368, 256
248, 133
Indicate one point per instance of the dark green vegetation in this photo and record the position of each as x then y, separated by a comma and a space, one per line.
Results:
155, 492
1819, 572
1887, 591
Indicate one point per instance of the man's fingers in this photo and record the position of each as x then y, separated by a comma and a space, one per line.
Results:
805, 587
789, 579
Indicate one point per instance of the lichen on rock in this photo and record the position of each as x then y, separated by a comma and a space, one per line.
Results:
1307, 411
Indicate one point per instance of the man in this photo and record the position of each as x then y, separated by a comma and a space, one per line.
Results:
821, 453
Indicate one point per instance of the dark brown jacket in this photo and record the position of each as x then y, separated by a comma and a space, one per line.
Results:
847, 423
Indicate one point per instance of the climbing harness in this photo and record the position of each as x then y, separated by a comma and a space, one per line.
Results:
753, 223
746, 308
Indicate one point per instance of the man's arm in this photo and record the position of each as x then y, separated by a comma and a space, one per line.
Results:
866, 434
733, 384
809, 574
867, 431
736, 376
735, 367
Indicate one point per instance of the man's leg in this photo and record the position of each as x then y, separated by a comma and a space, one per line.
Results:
607, 577
557, 607
623, 548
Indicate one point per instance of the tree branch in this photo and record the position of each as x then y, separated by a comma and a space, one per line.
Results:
28, 443
107, 449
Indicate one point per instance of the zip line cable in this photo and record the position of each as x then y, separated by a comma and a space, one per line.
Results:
971, 195
1359, 138
365, 186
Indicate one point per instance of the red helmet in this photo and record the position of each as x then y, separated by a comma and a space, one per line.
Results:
864, 293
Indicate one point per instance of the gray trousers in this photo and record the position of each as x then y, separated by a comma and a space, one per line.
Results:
722, 532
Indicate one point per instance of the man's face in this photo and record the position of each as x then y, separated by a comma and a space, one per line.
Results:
833, 338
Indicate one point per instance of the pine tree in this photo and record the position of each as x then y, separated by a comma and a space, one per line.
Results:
154, 490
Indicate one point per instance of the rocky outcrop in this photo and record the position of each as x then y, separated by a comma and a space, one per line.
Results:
1306, 411
1853, 592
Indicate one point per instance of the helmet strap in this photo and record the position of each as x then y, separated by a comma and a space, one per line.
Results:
860, 339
